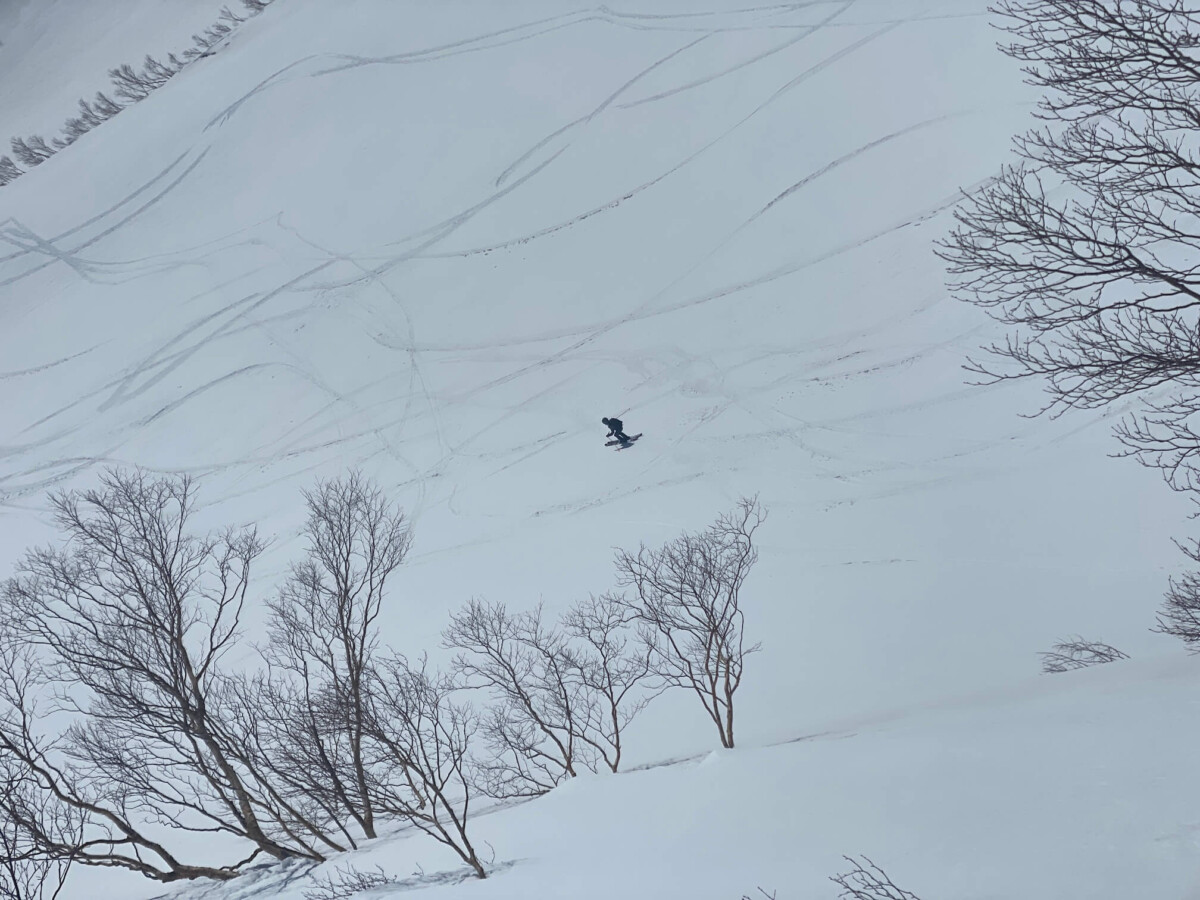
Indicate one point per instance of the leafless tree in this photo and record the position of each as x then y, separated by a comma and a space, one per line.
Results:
105, 107
347, 881
866, 881
155, 73
231, 18
27, 870
421, 738
131, 620
9, 170
323, 639
121, 634
1180, 615
534, 722
87, 115
31, 152
128, 84
563, 693
55, 813
38, 145
270, 723
210, 37
1087, 247
611, 671
687, 597
75, 128
1076, 653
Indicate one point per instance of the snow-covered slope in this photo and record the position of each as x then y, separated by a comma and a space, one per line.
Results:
53, 53
440, 241
1064, 787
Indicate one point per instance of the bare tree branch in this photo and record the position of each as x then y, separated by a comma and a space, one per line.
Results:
1089, 248
347, 881
1076, 653
611, 671
688, 601
323, 639
422, 740
532, 726
866, 881
562, 693
131, 620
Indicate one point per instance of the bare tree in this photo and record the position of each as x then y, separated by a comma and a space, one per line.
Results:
132, 619
533, 725
75, 128
347, 881
687, 596
1180, 615
9, 171
210, 37
324, 636
231, 18
270, 723
128, 84
1087, 248
422, 740
1076, 653
31, 152
611, 669
866, 881
87, 115
562, 694
105, 107
155, 74
54, 813
28, 871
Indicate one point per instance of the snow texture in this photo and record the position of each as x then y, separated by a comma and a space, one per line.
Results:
438, 241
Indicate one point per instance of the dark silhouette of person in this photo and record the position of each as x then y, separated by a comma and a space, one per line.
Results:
616, 429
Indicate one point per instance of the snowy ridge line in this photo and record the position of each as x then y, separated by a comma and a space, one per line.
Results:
29, 242
722, 232
130, 86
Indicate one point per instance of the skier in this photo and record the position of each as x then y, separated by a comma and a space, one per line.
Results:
616, 429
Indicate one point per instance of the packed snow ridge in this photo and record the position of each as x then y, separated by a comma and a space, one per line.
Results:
434, 244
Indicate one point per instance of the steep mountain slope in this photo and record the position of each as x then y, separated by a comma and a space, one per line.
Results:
440, 241
55, 52
1067, 787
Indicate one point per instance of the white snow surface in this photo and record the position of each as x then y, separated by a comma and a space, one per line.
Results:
438, 241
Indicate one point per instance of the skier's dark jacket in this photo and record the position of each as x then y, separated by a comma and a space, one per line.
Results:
614, 425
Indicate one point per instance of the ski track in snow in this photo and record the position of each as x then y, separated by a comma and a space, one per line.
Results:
204, 334
720, 227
